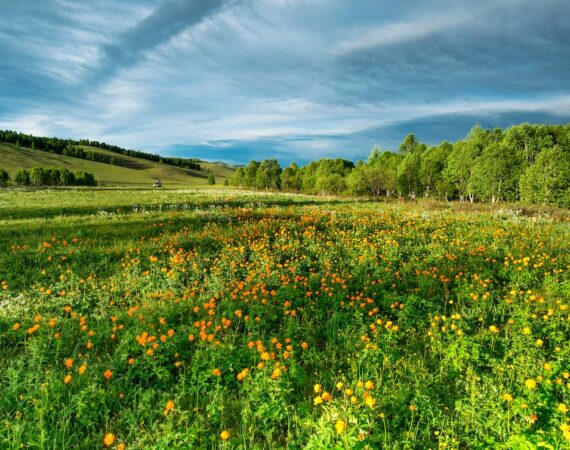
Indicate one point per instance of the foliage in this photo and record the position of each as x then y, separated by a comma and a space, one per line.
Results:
228, 320
488, 166
39, 176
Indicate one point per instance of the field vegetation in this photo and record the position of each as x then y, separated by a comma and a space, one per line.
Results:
128, 171
221, 319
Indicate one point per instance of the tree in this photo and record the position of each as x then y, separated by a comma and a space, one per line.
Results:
250, 173
548, 180
239, 177
23, 178
268, 175
494, 176
290, 178
4, 178
377, 176
211, 180
409, 144
433, 163
37, 176
409, 182
457, 173
67, 178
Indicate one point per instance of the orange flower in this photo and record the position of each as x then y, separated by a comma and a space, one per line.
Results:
67, 379
16, 326
82, 369
216, 372
109, 439
68, 363
108, 374
169, 407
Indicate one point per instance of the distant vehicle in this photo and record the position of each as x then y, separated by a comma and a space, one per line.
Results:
157, 184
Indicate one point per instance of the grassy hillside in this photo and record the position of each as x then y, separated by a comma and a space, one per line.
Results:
132, 172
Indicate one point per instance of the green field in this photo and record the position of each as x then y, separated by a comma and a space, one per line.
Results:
133, 172
222, 319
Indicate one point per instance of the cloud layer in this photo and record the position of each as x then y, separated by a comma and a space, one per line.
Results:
293, 79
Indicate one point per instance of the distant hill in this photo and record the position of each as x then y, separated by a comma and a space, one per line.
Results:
127, 171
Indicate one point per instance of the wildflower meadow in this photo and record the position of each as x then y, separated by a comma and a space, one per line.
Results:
226, 320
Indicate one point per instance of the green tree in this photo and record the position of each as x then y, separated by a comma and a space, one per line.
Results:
22, 178
433, 163
4, 178
378, 176
250, 173
409, 182
457, 173
67, 178
409, 144
37, 176
238, 178
291, 179
211, 180
495, 174
548, 179
268, 175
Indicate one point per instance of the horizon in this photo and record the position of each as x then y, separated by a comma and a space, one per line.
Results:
231, 81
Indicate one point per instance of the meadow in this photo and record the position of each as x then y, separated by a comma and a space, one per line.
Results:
221, 319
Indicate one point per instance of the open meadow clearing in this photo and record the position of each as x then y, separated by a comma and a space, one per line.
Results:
219, 319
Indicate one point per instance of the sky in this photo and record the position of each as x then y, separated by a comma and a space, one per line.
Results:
296, 80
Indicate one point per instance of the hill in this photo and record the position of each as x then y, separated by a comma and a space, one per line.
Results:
130, 171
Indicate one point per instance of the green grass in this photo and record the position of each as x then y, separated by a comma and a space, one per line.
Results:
137, 172
286, 321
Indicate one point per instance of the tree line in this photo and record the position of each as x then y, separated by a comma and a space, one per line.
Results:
70, 147
528, 163
39, 177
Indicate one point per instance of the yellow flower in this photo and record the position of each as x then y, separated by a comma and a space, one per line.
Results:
369, 385
530, 384
494, 329
109, 439
82, 369
224, 435
121, 446
547, 367
507, 397
67, 379
317, 388
318, 400
562, 408
370, 401
565, 428
340, 426
339, 385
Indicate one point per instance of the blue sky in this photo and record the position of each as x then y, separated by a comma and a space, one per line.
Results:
293, 79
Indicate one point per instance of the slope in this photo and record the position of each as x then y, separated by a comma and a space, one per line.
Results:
133, 172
